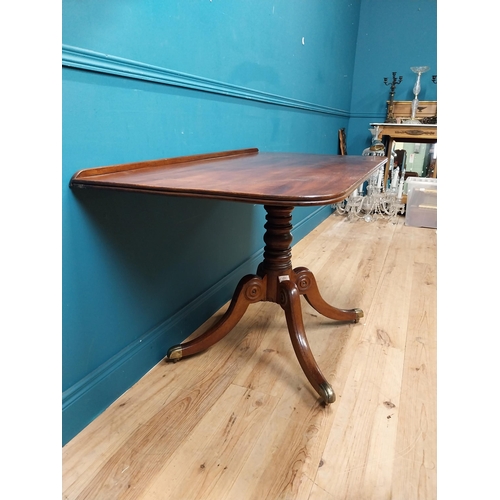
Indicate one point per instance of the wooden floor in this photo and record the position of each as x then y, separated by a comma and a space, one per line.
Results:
240, 421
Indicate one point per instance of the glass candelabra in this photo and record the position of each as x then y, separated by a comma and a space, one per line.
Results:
419, 70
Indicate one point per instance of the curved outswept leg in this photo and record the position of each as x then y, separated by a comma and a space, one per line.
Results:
306, 283
250, 289
289, 300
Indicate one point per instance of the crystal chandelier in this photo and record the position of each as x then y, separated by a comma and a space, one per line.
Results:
376, 202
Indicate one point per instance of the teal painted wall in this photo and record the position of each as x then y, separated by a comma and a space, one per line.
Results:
162, 78
393, 36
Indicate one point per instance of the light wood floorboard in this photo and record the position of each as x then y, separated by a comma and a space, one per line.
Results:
241, 422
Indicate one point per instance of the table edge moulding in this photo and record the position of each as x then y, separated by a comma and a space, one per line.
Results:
280, 182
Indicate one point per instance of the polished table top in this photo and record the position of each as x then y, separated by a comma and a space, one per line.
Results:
297, 179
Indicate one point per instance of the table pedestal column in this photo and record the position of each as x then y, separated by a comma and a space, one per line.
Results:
276, 281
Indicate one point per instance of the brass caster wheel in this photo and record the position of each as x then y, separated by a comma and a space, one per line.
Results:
359, 315
174, 353
326, 392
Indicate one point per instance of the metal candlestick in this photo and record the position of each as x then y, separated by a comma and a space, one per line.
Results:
390, 109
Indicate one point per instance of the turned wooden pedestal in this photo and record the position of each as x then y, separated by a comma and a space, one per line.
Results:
276, 281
